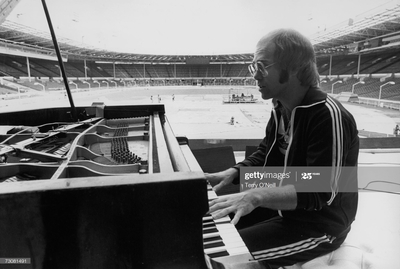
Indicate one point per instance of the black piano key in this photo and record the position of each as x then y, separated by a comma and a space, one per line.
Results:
214, 244
206, 221
209, 225
211, 239
210, 230
223, 221
211, 221
218, 254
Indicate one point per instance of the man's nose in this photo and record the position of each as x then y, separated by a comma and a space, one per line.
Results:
258, 76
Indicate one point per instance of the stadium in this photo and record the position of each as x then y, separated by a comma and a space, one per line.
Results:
213, 103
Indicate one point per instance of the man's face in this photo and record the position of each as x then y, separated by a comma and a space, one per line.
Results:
269, 85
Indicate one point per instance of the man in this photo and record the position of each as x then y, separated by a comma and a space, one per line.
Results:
292, 222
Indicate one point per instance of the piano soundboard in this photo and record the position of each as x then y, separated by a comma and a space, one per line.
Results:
116, 188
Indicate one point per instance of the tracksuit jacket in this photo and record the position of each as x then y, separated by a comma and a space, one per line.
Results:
323, 133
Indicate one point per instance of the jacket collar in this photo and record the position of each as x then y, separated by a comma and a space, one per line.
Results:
314, 95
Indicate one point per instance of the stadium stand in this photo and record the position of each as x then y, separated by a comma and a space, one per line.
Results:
211, 74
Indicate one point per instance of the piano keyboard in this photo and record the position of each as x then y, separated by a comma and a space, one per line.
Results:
220, 237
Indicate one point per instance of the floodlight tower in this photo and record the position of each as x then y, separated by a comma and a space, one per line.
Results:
333, 84
380, 89
352, 87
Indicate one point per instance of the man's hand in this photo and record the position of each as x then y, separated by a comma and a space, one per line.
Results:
222, 178
240, 204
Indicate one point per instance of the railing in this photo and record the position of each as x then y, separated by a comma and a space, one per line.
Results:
379, 103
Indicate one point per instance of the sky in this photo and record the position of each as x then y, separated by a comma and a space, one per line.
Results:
186, 27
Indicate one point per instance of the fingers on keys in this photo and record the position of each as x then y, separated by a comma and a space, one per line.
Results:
236, 218
220, 208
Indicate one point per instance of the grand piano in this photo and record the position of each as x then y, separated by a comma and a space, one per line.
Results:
114, 189
105, 187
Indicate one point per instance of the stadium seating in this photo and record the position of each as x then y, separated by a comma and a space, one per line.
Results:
372, 68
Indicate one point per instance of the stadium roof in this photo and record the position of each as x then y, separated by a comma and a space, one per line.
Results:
13, 34
385, 22
331, 41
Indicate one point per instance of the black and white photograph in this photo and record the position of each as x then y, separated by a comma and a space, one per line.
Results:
212, 134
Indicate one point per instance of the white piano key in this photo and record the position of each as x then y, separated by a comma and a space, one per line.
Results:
234, 244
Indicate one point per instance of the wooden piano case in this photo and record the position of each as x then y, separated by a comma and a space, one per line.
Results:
76, 210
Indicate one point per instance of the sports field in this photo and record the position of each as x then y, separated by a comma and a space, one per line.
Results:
199, 112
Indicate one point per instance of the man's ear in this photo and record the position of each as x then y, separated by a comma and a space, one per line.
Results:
283, 76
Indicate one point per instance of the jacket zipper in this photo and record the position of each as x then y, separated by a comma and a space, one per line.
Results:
290, 140
276, 131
